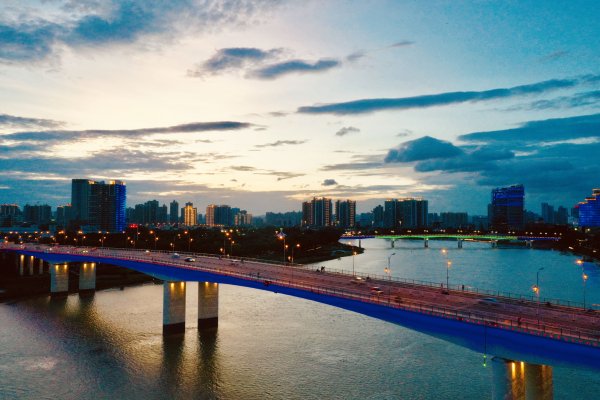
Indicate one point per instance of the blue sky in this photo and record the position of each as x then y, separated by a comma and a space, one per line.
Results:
262, 103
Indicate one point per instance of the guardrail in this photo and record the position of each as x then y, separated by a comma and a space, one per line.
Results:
554, 331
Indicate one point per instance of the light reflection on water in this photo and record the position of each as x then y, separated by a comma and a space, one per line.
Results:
270, 346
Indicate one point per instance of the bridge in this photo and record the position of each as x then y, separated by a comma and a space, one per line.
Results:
509, 326
459, 238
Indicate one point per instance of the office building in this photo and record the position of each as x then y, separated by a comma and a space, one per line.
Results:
454, 220
589, 210
507, 208
64, 215
219, 215
378, 216
548, 213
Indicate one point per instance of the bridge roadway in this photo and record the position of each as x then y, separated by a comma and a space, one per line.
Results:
549, 319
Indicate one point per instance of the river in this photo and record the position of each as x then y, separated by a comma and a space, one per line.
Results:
271, 346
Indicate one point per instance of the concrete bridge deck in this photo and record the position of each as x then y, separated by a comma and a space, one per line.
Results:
446, 310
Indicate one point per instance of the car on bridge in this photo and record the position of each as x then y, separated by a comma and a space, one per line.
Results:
376, 290
190, 259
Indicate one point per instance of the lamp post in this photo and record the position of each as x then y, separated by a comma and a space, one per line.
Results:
231, 248
448, 264
282, 236
155, 242
190, 243
172, 246
585, 278
353, 254
388, 271
536, 290
297, 246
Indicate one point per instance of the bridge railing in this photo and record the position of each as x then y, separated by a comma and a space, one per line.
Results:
588, 337
378, 278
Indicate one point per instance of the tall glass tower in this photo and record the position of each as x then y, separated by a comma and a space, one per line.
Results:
507, 208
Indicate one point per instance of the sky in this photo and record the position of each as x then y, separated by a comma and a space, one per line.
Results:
263, 104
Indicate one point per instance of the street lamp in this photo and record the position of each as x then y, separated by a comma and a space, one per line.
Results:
297, 246
190, 243
388, 271
353, 254
231, 248
448, 264
536, 290
585, 278
172, 246
282, 236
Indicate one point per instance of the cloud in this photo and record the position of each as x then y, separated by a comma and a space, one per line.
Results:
422, 149
553, 56
352, 166
278, 70
365, 106
28, 38
232, 58
14, 122
583, 99
549, 130
281, 143
346, 130
64, 135
329, 182
402, 43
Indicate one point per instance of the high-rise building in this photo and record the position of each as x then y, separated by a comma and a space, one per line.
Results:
174, 212
80, 200
589, 210
507, 207
190, 215
290, 218
37, 214
151, 212
406, 213
345, 213
307, 214
378, 216
242, 218
455, 220
64, 215
317, 213
106, 205
561, 216
10, 214
548, 213
210, 214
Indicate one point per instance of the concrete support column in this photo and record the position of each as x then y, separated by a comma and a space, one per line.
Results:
208, 305
529, 243
494, 244
59, 280
87, 279
392, 243
514, 380
41, 266
460, 243
173, 307
426, 243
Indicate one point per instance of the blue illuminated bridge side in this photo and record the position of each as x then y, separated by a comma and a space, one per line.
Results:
503, 324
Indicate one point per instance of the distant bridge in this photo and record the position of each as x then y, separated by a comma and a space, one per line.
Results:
504, 324
459, 238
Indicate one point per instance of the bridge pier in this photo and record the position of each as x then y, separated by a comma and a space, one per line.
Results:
529, 243
208, 305
59, 280
494, 244
460, 243
426, 243
173, 307
513, 380
21, 264
87, 279
40, 266
393, 243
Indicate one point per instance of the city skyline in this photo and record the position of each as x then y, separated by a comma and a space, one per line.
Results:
268, 103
